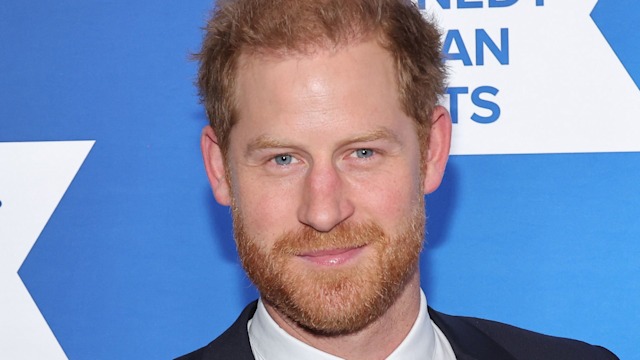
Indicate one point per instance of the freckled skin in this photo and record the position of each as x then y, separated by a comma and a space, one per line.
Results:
321, 140
314, 105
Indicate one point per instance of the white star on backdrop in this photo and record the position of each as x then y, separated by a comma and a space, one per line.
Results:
33, 178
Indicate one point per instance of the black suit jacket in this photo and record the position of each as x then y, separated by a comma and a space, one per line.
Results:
470, 338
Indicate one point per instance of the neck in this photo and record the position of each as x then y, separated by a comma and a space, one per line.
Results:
377, 340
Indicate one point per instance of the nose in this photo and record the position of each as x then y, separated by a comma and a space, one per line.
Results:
324, 200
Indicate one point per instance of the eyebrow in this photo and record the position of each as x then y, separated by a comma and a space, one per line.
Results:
267, 142
381, 133
263, 142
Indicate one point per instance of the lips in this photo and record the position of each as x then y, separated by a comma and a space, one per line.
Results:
332, 257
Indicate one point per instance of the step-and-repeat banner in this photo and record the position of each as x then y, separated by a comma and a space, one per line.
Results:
112, 247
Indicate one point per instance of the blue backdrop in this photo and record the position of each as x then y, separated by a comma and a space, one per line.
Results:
138, 261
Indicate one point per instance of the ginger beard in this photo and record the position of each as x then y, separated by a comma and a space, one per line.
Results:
327, 300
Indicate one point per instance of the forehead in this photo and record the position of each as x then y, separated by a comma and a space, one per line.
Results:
355, 78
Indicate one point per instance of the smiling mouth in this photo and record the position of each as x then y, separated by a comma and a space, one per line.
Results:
332, 257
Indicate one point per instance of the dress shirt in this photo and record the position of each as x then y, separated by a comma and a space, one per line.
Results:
270, 342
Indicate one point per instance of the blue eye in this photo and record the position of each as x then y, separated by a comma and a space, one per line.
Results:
283, 159
364, 153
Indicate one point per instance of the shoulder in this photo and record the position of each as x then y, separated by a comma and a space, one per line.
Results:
232, 344
468, 335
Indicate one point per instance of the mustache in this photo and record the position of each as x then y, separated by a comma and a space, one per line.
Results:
343, 236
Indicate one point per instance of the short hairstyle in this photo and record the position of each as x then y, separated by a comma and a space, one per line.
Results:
283, 27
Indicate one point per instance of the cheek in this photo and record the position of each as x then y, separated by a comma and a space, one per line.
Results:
267, 208
389, 198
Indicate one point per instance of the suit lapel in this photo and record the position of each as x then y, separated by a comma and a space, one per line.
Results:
467, 342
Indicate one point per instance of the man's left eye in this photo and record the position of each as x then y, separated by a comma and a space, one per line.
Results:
364, 153
284, 159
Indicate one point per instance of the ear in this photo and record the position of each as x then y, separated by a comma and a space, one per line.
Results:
215, 166
438, 151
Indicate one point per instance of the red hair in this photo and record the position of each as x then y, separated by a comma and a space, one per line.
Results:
299, 26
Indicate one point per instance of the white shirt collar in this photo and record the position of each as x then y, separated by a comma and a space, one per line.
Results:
270, 342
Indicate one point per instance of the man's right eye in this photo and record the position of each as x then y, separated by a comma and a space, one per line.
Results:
283, 159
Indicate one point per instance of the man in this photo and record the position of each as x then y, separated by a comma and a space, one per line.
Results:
325, 135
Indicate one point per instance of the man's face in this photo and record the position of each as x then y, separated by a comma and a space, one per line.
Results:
326, 186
